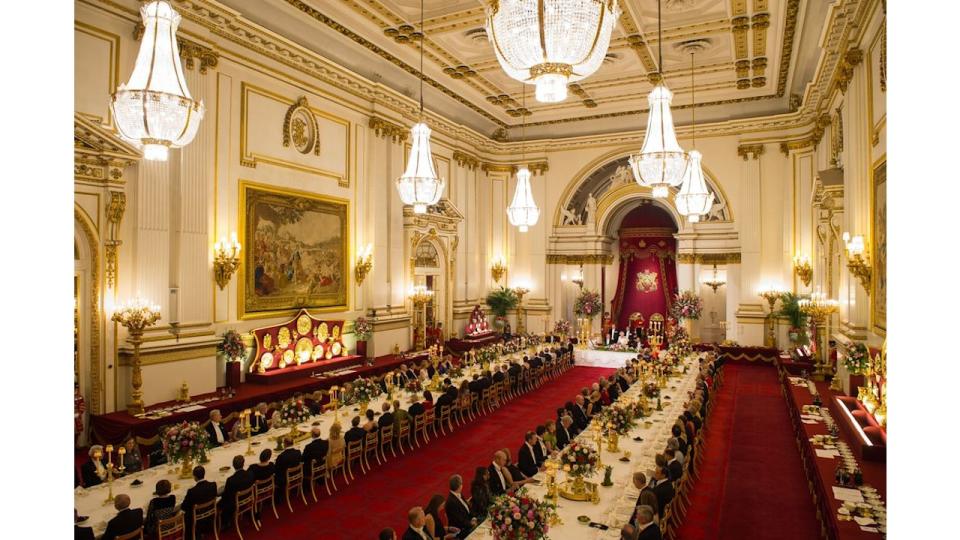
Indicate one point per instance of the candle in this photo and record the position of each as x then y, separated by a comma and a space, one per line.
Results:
109, 450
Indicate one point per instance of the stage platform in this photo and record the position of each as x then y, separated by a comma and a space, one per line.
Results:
605, 359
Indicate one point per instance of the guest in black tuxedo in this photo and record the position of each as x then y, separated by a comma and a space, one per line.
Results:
289, 458
79, 531
127, 519
387, 534
675, 465
216, 430
459, 514
160, 507
580, 419
662, 488
93, 472
677, 433
476, 386
527, 458
498, 375
613, 389
498, 483
201, 492
237, 482
264, 469
540, 450
416, 520
355, 433
564, 425
409, 373
647, 529
386, 419
646, 497
316, 449
480, 493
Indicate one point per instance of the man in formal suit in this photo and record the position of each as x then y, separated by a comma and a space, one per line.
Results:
81, 532
416, 519
202, 492
540, 451
355, 433
316, 449
398, 414
662, 488
563, 431
498, 483
237, 482
216, 430
498, 375
127, 519
458, 509
409, 373
526, 458
622, 381
580, 414
386, 418
476, 386
647, 529
613, 389
646, 497
674, 466
289, 458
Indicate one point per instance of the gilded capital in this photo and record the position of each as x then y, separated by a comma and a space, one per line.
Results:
747, 151
384, 128
465, 160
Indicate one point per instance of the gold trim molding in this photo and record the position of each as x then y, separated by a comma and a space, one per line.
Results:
115, 210
466, 160
589, 258
291, 133
96, 373
385, 128
149, 357
747, 151
708, 258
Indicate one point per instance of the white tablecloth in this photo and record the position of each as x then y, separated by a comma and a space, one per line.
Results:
617, 502
90, 502
607, 359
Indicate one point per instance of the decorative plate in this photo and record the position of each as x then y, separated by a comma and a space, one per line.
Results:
283, 338
268, 341
336, 349
305, 344
266, 360
288, 357
317, 352
304, 324
336, 332
323, 332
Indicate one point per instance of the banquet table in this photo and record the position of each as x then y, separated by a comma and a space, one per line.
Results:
617, 502
90, 501
598, 358
821, 470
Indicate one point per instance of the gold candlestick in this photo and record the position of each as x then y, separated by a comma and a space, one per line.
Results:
135, 316
245, 418
109, 467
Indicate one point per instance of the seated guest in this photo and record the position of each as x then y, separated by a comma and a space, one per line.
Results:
201, 492
237, 482
549, 436
434, 522
463, 395
480, 494
387, 534
513, 475
580, 419
355, 433
540, 450
677, 433
645, 526
160, 507
662, 488
613, 389
459, 514
216, 430
81, 532
264, 468
527, 461
408, 372
628, 532
131, 460
445, 399
427, 400
674, 445
370, 424
416, 410
647, 496
289, 458
386, 418
335, 447
316, 450
498, 483
93, 472
564, 433
398, 415
595, 405
416, 520
127, 519
605, 397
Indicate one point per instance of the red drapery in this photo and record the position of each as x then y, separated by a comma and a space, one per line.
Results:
648, 274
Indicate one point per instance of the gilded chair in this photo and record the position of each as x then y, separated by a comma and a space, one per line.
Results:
386, 441
294, 484
202, 512
318, 471
132, 535
371, 446
263, 491
245, 503
171, 528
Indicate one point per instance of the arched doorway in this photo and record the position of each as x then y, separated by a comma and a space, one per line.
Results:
429, 266
87, 362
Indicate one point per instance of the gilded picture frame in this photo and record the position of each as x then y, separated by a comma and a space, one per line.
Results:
295, 252
878, 234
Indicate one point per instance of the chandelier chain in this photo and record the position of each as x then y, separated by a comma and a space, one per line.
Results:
693, 102
422, 41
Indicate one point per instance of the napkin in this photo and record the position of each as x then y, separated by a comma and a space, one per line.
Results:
830, 454
868, 529
862, 521
847, 494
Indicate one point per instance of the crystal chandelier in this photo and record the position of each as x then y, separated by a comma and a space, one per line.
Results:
550, 43
694, 200
523, 211
419, 186
154, 109
661, 162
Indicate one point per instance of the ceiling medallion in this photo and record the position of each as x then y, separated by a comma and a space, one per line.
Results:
550, 43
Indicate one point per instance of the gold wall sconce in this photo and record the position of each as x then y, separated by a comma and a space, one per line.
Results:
498, 269
856, 262
803, 269
226, 259
364, 264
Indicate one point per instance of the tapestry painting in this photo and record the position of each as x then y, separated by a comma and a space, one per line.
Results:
878, 296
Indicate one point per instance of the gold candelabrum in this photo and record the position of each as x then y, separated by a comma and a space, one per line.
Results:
857, 262
820, 308
803, 269
364, 264
226, 259
521, 312
336, 394
613, 439
420, 296
498, 269
598, 438
110, 467
771, 294
135, 316
247, 430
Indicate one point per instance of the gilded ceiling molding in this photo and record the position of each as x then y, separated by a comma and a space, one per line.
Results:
384, 128
708, 258
588, 258
466, 160
300, 127
99, 155
813, 139
747, 151
488, 167
786, 49
851, 59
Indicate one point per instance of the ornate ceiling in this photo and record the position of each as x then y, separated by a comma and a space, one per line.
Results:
748, 52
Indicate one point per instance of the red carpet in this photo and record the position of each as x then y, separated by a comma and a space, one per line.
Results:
751, 482
381, 499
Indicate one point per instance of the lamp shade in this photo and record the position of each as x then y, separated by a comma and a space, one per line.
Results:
661, 162
523, 211
550, 43
419, 186
694, 200
154, 109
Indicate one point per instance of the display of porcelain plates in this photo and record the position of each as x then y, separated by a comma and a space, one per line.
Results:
337, 348
288, 357
266, 360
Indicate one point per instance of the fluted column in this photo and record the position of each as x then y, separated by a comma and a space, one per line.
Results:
750, 314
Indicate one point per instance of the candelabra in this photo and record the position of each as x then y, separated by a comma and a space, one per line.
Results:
856, 262
771, 294
420, 296
803, 269
246, 428
364, 264
135, 316
521, 313
819, 308
716, 281
97, 455
498, 269
335, 394
226, 260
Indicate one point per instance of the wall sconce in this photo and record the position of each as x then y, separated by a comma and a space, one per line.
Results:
716, 281
364, 264
856, 262
578, 278
226, 259
803, 269
498, 269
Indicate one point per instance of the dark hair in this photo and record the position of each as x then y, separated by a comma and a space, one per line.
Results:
163, 487
387, 534
369, 414
456, 481
238, 462
528, 436
427, 396
541, 430
676, 430
199, 472
355, 422
433, 509
266, 454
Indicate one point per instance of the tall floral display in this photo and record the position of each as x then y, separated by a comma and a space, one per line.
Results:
687, 305
232, 346
184, 443
586, 306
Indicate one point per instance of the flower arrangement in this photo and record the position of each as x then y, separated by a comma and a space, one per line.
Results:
857, 359
364, 390
579, 460
184, 441
651, 390
618, 418
362, 329
519, 517
587, 304
413, 387
687, 305
232, 345
562, 327
294, 411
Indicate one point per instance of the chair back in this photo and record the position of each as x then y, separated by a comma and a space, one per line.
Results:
371, 440
205, 510
132, 535
171, 528
354, 449
244, 499
264, 488
318, 469
444, 413
429, 416
294, 474
404, 427
386, 434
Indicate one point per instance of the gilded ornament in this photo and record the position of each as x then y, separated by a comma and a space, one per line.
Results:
304, 345
283, 338
267, 341
288, 357
646, 281
336, 332
336, 349
304, 324
323, 332
266, 360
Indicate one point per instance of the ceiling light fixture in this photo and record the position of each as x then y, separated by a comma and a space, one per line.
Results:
550, 43
694, 199
523, 211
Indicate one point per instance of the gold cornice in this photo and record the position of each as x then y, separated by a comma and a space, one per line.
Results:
588, 258
813, 139
708, 258
747, 151
850, 60
466, 160
384, 128
150, 357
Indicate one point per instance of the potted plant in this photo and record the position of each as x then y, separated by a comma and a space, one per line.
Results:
500, 302
362, 329
790, 309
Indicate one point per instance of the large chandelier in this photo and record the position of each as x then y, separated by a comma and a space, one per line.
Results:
419, 186
694, 200
154, 109
661, 162
523, 212
550, 43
